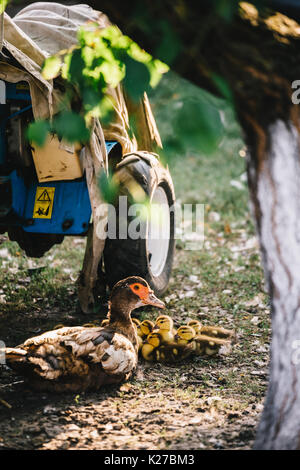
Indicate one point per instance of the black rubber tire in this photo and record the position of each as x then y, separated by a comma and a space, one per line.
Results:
127, 257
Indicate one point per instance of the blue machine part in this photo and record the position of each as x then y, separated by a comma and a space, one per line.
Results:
71, 208
71, 211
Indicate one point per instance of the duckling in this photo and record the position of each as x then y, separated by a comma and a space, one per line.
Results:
166, 353
136, 321
89, 325
167, 317
150, 346
185, 335
181, 348
146, 327
164, 325
143, 329
196, 325
210, 346
137, 324
217, 332
76, 359
59, 325
140, 335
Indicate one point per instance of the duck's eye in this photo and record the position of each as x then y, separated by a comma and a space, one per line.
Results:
136, 287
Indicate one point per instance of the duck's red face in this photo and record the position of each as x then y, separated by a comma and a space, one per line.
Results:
145, 295
131, 293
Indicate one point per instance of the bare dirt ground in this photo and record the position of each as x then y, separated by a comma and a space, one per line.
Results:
127, 418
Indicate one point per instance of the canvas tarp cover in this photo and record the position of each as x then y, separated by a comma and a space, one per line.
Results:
38, 31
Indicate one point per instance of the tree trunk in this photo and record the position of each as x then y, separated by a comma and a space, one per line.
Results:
275, 188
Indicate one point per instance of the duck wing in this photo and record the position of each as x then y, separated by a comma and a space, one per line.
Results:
42, 355
76, 353
113, 350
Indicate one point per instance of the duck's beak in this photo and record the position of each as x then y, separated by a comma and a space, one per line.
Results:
152, 300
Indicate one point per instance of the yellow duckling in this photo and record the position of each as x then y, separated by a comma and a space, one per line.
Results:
146, 327
196, 325
180, 349
217, 332
143, 329
137, 325
208, 345
150, 346
185, 337
164, 325
59, 325
136, 321
138, 330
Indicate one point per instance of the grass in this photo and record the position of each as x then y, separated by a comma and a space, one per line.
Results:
226, 281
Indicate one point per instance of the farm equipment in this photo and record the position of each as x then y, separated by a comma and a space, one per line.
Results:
38, 214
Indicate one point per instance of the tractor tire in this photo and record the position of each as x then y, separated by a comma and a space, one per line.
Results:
151, 254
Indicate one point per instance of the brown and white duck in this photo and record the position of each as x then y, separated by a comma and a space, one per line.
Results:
85, 358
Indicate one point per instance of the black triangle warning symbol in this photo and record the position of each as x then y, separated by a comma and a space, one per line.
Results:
44, 197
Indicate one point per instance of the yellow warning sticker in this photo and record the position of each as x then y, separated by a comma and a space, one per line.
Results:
43, 204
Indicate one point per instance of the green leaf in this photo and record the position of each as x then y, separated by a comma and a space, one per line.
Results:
88, 55
37, 132
51, 67
223, 87
225, 9
66, 67
198, 125
109, 188
71, 127
3, 4
112, 33
106, 110
137, 78
122, 42
167, 36
91, 98
156, 69
112, 73
138, 54
88, 34
76, 66
103, 58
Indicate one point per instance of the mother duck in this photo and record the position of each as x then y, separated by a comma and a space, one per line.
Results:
81, 358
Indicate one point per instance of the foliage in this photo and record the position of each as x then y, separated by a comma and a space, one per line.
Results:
102, 59
3, 4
